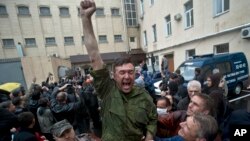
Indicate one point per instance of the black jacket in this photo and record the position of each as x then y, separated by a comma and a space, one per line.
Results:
8, 120
25, 134
64, 110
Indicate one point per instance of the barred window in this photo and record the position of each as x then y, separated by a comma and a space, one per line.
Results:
99, 12
115, 11
68, 41
50, 41
3, 10
8, 43
64, 11
118, 38
103, 39
45, 11
23, 10
132, 39
221, 48
30, 42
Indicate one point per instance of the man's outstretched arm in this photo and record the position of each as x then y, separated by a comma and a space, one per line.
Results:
88, 7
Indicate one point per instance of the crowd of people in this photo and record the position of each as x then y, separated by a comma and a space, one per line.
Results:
119, 104
71, 99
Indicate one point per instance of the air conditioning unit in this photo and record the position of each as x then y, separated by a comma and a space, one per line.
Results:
177, 17
245, 33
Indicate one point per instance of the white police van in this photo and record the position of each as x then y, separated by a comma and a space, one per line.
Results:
233, 66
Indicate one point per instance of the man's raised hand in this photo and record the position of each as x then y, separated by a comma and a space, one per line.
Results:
88, 7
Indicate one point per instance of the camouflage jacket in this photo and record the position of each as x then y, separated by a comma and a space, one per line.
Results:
124, 117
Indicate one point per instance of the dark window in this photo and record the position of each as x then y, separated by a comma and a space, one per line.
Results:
206, 71
154, 33
3, 10
157, 60
224, 67
78, 11
23, 10
30, 42
221, 6
118, 38
190, 53
45, 11
130, 11
50, 41
189, 14
82, 39
132, 39
115, 12
145, 38
168, 25
222, 48
142, 7
103, 39
99, 12
8, 43
68, 41
64, 11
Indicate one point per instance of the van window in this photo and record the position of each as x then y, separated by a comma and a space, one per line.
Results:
187, 72
224, 67
206, 71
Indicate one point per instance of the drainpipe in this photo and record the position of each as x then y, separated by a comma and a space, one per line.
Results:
125, 26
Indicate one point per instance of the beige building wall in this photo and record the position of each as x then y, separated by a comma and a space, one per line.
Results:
208, 30
40, 67
38, 60
135, 33
14, 26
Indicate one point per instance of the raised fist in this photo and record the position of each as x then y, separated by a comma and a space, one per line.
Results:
88, 7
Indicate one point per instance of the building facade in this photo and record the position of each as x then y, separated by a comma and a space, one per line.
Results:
183, 28
53, 28
178, 29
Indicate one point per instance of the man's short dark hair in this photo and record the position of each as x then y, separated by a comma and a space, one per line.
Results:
5, 104
61, 97
16, 92
122, 60
197, 70
17, 101
25, 119
173, 75
165, 99
178, 71
141, 61
43, 102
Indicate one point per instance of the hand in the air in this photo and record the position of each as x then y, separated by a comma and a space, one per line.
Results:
88, 7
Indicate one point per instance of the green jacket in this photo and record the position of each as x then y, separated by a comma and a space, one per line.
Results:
124, 117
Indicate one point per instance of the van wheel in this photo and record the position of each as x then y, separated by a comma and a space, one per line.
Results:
238, 89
